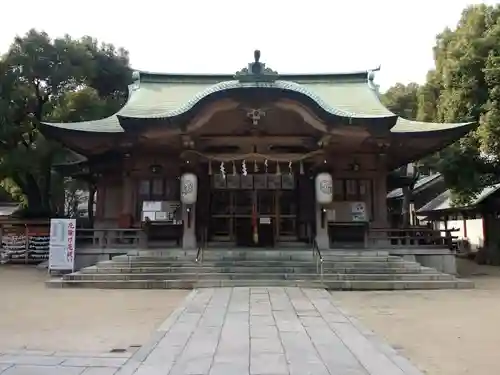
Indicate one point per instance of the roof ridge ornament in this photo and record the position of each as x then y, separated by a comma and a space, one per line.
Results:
136, 80
256, 71
371, 73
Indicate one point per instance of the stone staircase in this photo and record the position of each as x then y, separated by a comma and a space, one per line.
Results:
178, 269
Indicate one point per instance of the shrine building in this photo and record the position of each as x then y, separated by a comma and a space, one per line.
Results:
252, 159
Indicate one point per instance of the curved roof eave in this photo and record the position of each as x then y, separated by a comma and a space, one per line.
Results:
405, 127
109, 124
237, 85
106, 125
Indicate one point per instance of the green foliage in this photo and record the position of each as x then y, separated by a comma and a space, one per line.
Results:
402, 100
464, 86
60, 80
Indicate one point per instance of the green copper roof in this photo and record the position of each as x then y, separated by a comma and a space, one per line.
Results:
408, 126
164, 100
357, 98
156, 96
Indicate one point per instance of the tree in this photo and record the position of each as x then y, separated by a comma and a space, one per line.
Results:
52, 80
464, 86
466, 70
402, 100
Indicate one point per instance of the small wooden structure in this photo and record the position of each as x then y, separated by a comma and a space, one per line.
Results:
24, 241
485, 207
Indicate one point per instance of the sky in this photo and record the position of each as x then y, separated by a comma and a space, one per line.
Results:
219, 36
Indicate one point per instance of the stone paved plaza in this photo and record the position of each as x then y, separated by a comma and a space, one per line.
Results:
274, 331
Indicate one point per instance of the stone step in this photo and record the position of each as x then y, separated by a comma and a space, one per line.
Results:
256, 276
332, 285
255, 270
303, 256
270, 263
156, 253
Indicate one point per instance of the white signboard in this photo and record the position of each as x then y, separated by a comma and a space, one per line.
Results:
161, 216
358, 211
358, 207
151, 206
62, 244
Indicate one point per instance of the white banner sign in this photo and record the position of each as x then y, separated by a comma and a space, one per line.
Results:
62, 244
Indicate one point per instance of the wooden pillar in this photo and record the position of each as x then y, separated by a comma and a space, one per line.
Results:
322, 235
381, 214
405, 207
126, 215
127, 196
90, 202
101, 199
189, 227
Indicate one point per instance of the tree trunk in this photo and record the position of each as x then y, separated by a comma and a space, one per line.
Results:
34, 198
46, 188
30, 189
45, 194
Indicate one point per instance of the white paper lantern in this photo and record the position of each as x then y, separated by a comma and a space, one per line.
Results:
324, 188
189, 188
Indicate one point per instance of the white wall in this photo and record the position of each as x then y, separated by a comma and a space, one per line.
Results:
474, 230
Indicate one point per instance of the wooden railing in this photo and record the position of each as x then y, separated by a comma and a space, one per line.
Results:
411, 237
111, 238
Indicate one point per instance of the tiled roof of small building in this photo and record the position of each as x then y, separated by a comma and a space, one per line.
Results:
444, 201
420, 184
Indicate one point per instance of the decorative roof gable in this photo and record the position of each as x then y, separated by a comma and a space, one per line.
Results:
256, 71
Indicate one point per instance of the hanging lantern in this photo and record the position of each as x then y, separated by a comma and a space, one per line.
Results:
290, 170
265, 165
189, 188
324, 188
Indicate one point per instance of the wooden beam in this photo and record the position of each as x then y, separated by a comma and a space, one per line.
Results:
267, 139
285, 157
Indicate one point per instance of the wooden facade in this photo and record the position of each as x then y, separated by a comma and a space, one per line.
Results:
255, 140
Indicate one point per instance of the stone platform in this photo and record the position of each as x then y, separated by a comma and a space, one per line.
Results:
279, 267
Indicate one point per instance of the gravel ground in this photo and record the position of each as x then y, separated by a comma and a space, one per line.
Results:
34, 317
445, 332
